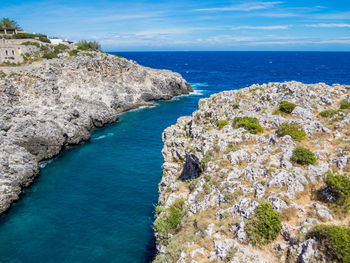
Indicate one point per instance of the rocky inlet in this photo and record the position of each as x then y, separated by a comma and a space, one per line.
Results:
259, 174
53, 103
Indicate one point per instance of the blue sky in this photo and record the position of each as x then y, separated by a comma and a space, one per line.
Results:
189, 24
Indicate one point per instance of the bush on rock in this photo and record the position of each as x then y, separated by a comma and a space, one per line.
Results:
339, 187
303, 156
334, 241
293, 130
264, 225
169, 222
221, 123
286, 106
328, 113
251, 124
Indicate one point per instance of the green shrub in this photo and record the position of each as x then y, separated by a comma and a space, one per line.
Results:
192, 184
303, 156
60, 48
221, 123
73, 52
235, 105
170, 221
88, 54
50, 55
345, 105
264, 225
174, 219
251, 124
57, 50
286, 106
293, 130
328, 113
207, 158
339, 187
88, 45
39, 37
31, 43
334, 241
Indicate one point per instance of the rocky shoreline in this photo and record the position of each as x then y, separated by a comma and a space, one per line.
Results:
259, 174
53, 103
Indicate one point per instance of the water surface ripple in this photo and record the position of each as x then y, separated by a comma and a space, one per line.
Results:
95, 201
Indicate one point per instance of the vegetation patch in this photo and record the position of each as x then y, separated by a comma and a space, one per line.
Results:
235, 105
192, 184
286, 106
221, 123
251, 124
39, 37
88, 54
169, 222
334, 241
338, 186
73, 52
60, 48
88, 45
293, 130
264, 225
345, 105
31, 43
303, 156
10, 64
207, 158
328, 113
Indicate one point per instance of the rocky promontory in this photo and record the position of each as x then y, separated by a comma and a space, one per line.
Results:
259, 174
53, 103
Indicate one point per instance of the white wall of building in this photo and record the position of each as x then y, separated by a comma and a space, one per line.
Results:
56, 41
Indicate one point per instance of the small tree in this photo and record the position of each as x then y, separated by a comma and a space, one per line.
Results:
7, 23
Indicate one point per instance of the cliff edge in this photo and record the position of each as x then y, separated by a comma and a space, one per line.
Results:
259, 174
53, 103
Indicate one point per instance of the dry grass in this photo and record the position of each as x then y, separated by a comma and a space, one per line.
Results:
288, 214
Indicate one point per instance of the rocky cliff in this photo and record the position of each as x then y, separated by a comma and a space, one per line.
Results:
53, 103
259, 174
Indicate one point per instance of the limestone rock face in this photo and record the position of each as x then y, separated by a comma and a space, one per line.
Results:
53, 103
220, 173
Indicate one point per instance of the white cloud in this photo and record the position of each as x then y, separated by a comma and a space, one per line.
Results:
243, 7
335, 41
335, 16
324, 25
277, 27
277, 14
121, 17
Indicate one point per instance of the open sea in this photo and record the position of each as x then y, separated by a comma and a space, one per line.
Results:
95, 201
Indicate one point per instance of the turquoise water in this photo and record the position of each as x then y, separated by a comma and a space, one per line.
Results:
95, 201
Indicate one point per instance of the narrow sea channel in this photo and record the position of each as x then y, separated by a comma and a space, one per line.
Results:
95, 201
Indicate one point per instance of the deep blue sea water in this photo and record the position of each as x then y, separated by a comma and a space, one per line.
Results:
95, 201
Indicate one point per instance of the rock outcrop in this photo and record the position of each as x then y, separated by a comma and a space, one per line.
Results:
50, 104
239, 151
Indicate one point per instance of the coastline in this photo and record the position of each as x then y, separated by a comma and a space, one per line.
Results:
242, 152
85, 94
